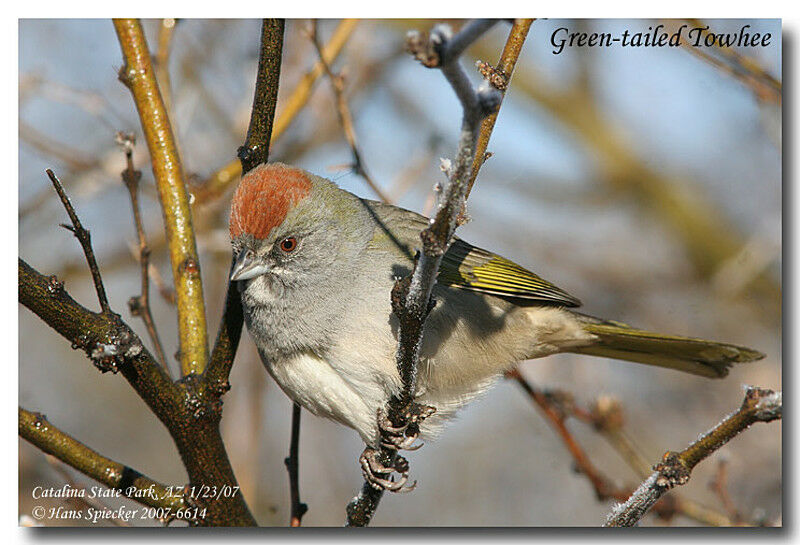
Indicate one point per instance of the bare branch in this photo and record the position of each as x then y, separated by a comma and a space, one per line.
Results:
85, 501
166, 31
254, 152
557, 406
411, 296
36, 429
744, 68
499, 77
759, 405
345, 117
224, 178
293, 467
140, 306
186, 409
85, 238
138, 75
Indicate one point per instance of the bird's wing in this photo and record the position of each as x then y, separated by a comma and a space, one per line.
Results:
468, 267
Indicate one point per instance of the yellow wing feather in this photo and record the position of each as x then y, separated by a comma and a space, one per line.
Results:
472, 268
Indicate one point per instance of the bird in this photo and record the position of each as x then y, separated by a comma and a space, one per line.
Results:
315, 266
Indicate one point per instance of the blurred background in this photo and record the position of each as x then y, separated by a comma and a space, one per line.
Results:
644, 181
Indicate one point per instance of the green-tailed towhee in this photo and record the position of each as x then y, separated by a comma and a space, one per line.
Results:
316, 265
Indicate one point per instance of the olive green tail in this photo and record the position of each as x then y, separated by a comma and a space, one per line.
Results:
697, 356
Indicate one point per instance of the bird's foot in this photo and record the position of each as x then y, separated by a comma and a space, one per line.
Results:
379, 465
403, 436
379, 474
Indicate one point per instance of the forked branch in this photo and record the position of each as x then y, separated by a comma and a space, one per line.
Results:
759, 405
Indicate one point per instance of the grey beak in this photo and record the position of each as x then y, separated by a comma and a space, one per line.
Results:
247, 267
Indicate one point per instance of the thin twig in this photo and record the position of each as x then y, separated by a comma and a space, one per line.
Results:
137, 74
74, 159
85, 238
411, 296
345, 117
759, 405
223, 178
36, 429
741, 67
499, 77
166, 30
140, 306
719, 485
556, 407
293, 467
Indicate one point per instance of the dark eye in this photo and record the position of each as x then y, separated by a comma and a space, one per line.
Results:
289, 244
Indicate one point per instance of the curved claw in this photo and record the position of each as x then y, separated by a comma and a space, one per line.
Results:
371, 467
408, 488
385, 484
384, 424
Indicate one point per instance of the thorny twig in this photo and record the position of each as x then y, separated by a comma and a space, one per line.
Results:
140, 305
411, 296
345, 117
759, 405
85, 238
298, 508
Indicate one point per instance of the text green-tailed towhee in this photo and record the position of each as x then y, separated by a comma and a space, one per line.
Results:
316, 265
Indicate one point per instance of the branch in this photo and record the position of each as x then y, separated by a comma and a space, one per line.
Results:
140, 306
744, 68
166, 31
185, 408
411, 296
759, 405
345, 117
557, 407
37, 430
293, 467
255, 152
137, 74
84, 237
222, 179
499, 77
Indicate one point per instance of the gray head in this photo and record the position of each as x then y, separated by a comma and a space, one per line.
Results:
293, 234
